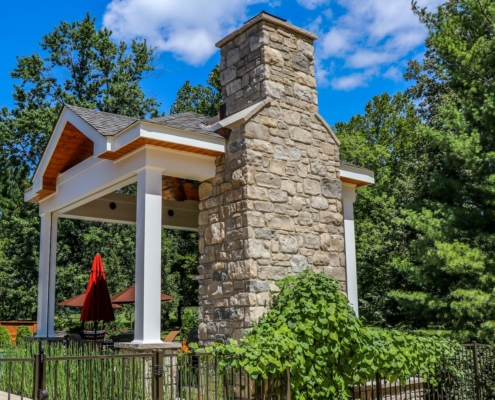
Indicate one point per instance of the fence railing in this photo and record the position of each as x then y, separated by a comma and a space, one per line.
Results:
159, 375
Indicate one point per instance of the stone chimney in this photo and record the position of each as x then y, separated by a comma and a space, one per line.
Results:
268, 58
274, 208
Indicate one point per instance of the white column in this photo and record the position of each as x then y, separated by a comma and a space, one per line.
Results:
348, 198
52, 277
148, 256
46, 280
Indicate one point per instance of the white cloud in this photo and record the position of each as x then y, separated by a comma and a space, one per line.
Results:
393, 73
312, 4
369, 38
187, 28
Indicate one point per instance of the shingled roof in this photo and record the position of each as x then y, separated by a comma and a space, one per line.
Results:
110, 124
189, 121
106, 123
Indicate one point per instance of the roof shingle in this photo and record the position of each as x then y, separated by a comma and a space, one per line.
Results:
106, 123
110, 124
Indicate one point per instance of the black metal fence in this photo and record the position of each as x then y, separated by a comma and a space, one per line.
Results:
160, 375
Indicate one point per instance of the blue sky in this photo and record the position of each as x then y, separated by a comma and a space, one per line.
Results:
362, 50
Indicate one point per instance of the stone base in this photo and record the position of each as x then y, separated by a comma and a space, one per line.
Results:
146, 347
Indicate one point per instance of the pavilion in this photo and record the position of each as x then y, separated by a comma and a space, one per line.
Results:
92, 155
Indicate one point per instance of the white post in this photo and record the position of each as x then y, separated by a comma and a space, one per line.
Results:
52, 277
45, 282
348, 198
148, 256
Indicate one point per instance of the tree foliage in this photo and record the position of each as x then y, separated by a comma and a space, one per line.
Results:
388, 140
204, 100
81, 65
452, 263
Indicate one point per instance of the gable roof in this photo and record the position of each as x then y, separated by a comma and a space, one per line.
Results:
105, 123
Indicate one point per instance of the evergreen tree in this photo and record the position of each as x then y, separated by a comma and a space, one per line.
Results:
386, 139
82, 66
204, 100
452, 260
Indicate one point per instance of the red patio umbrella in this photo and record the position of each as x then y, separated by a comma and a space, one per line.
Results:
129, 296
97, 304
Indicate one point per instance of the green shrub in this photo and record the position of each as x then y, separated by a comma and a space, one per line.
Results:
5, 339
190, 320
312, 330
23, 332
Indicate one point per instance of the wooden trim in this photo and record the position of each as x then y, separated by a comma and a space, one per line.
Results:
72, 148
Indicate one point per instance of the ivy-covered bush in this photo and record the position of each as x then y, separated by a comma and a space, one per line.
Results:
22, 332
312, 329
5, 339
190, 320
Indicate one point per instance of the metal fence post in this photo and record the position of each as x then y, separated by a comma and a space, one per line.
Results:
158, 375
287, 384
476, 371
40, 392
378, 386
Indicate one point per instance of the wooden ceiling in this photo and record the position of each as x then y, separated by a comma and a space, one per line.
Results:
72, 148
178, 189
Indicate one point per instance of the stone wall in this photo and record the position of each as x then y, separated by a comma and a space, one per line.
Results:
274, 208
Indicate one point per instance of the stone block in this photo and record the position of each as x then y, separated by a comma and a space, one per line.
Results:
277, 167
333, 218
215, 290
312, 241
267, 234
261, 145
286, 153
257, 286
272, 273
281, 222
263, 206
332, 242
305, 219
318, 202
331, 188
298, 263
205, 190
267, 179
318, 168
230, 313
300, 135
288, 244
321, 258
311, 187
277, 196
228, 75
215, 233
246, 269
274, 56
274, 90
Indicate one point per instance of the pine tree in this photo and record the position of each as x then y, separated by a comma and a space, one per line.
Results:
452, 260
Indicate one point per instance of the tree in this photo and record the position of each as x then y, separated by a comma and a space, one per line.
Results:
204, 100
452, 263
387, 140
84, 67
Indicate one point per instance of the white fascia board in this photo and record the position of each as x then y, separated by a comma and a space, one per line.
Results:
29, 194
166, 134
91, 180
362, 175
67, 115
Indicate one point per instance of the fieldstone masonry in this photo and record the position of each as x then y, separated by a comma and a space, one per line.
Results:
274, 208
